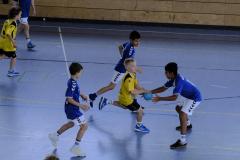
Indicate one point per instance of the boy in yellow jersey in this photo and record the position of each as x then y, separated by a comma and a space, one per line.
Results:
127, 95
7, 39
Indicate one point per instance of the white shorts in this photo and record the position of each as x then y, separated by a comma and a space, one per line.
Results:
24, 20
79, 121
117, 77
188, 105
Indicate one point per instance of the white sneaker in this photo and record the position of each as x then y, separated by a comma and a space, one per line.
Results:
77, 151
53, 137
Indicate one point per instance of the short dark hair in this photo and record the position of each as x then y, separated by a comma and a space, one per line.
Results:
172, 67
51, 157
129, 60
13, 12
75, 68
134, 35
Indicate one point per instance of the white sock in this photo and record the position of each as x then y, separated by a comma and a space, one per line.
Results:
28, 40
110, 102
183, 139
77, 142
139, 124
11, 70
188, 122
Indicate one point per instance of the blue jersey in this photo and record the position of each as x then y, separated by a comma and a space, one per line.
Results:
25, 6
73, 91
128, 52
184, 88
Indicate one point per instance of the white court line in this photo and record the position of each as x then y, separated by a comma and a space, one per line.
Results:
143, 31
218, 86
63, 49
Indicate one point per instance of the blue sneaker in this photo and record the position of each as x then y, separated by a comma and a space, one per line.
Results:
142, 129
103, 102
30, 45
13, 74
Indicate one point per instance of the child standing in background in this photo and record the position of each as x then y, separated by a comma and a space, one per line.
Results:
7, 40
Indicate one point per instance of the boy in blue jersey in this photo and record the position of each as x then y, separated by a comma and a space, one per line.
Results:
24, 25
73, 111
188, 96
126, 50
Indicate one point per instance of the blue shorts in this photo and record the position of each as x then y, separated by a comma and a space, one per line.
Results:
72, 112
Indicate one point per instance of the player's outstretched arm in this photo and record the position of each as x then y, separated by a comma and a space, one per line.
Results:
75, 103
168, 98
120, 48
159, 90
84, 97
138, 91
137, 86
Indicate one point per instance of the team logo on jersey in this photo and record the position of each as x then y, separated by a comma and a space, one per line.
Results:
74, 85
131, 51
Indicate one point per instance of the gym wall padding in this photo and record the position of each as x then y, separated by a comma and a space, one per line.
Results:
201, 12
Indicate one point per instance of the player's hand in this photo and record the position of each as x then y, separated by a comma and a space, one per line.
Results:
84, 97
84, 107
139, 70
156, 99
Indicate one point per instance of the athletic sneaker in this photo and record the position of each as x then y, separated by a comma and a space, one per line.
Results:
13, 74
53, 137
92, 98
178, 144
189, 127
30, 45
142, 129
77, 151
103, 102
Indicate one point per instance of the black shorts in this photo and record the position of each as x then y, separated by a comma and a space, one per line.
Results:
11, 54
134, 106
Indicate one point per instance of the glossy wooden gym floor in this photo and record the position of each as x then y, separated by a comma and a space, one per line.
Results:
31, 105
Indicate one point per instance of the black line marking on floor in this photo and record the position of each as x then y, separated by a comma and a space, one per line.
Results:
221, 98
108, 63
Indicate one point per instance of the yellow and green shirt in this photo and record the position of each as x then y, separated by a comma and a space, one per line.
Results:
129, 83
9, 28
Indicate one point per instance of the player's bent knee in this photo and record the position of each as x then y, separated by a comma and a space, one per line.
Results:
84, 126
183, 114
178, 109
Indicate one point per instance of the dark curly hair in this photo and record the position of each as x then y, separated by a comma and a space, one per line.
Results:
13, 12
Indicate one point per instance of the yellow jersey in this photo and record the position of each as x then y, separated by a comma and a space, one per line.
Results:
129, 83
9, 28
